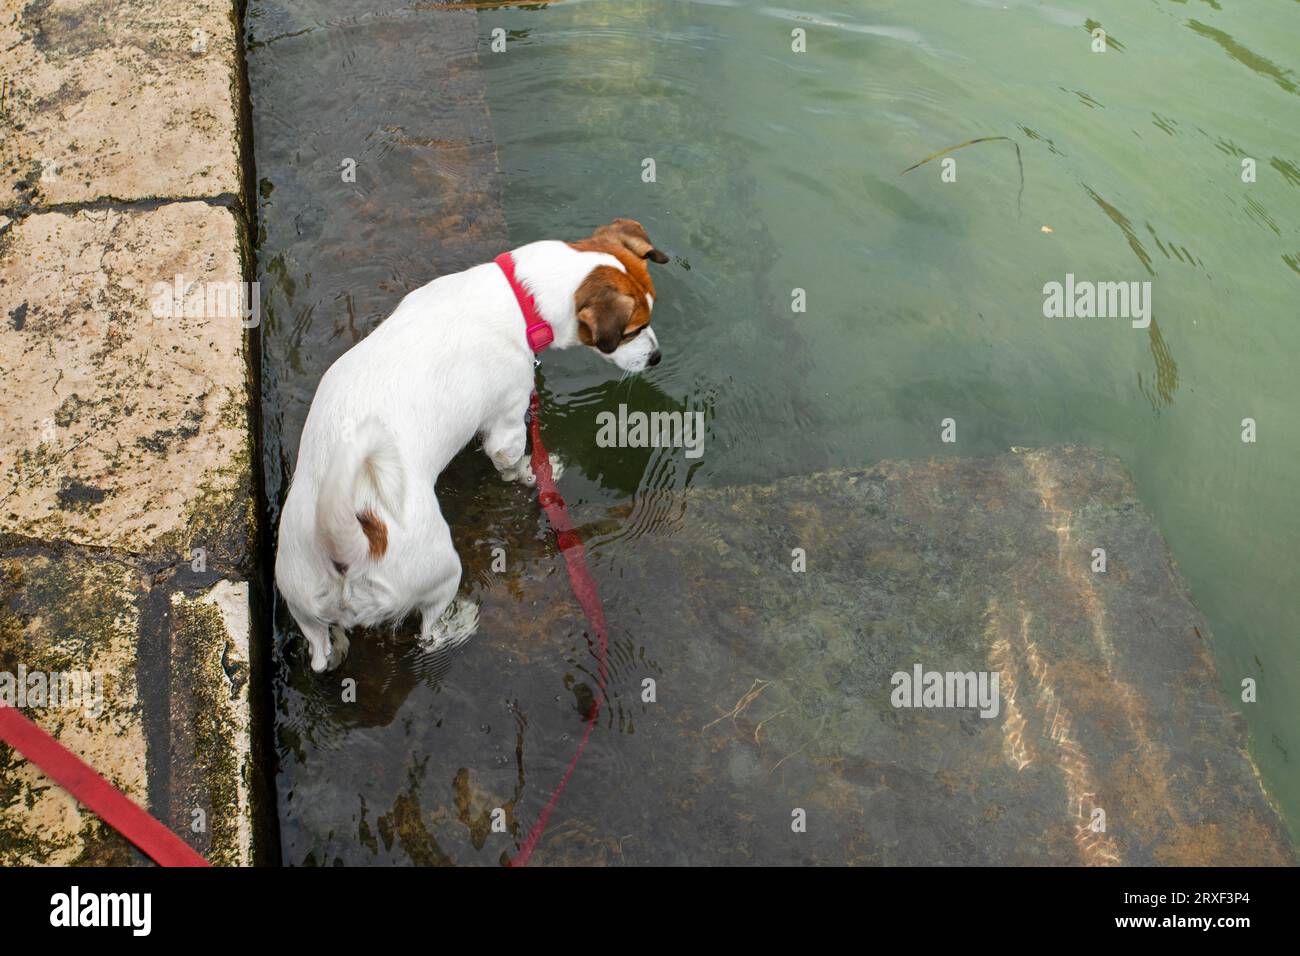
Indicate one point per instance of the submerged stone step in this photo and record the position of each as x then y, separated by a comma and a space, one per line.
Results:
745, 696
1110, 740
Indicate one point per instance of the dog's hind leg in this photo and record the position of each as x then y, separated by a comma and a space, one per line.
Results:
339, 645
453, 627
318, 640
445, 619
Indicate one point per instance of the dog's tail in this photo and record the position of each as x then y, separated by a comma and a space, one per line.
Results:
364, 484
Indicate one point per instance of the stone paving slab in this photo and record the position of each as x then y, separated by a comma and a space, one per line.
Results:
71, 613
157, 669
120, 428
128, 519
118, 99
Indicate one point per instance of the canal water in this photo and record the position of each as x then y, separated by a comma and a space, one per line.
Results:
821, 309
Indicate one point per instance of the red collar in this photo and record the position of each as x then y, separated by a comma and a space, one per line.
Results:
539, 331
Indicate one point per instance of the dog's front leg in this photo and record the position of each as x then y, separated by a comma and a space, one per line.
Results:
506, 443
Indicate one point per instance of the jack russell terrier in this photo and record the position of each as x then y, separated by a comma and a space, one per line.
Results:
362, 539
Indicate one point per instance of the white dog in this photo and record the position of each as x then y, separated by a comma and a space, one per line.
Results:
362, 539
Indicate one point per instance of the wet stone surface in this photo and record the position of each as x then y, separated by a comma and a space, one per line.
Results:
366, 193
773, 689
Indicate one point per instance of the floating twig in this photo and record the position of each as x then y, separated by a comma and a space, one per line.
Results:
972, 142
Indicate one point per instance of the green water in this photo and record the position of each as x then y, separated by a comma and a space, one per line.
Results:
776, 171
779, 170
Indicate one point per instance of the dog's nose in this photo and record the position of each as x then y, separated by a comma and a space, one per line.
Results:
654, 358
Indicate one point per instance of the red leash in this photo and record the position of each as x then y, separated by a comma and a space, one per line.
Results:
584, 589
78, 778
540, 334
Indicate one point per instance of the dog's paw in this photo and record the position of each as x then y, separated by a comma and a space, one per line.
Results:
522, 472
454, 626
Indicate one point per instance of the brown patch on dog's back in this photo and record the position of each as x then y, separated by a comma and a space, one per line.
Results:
376, 533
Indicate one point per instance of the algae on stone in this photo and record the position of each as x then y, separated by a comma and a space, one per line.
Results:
210, 660
68, 612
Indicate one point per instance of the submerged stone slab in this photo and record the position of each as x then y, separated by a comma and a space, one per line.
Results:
1109, 700
1109, 697
118, 99
121, 428
772, 687
161, 664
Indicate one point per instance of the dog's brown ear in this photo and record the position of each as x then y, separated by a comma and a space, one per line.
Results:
632, 236
604, 309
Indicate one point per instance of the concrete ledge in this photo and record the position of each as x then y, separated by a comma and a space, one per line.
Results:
209, 770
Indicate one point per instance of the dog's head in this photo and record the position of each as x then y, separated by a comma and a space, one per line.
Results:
614, 305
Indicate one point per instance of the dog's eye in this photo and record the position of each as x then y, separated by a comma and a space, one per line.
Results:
632, 333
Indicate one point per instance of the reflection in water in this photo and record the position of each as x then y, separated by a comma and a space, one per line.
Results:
1288, 170
1125, 226
1112, 43
1166, 378
1174, 251
1160, 393
1261, 65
